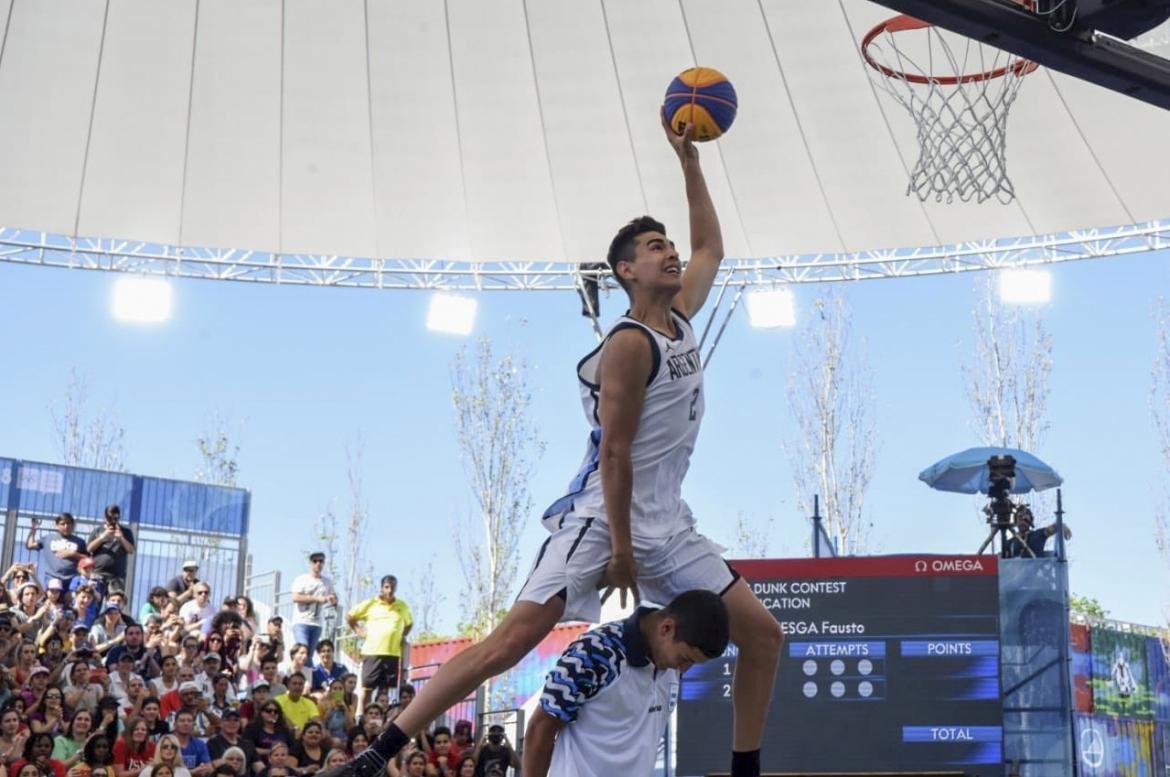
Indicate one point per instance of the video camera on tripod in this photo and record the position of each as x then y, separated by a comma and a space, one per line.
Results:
1001, 510
1001, 477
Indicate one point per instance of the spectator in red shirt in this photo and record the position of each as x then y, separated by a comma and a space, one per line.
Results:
37, 751
133, 751
442, 756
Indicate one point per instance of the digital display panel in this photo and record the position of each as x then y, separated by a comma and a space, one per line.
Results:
889, 664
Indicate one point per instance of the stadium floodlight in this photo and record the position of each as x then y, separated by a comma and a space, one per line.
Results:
1025, 286
452, 314
142, 300
771, 308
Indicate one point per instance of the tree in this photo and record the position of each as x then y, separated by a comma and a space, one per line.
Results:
219, 454
752, 539
499, 444
829, 395
1160, 409
1007, 383
357, 570
96, 441
426, 601
1088, 608
325, 540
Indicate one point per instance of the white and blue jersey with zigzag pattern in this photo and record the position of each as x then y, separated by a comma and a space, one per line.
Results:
613, 703
587, 667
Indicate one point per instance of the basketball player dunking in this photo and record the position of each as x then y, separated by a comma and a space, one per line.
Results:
623, 524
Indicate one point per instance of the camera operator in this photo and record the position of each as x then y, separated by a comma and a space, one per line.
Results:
495, 752
1032, 539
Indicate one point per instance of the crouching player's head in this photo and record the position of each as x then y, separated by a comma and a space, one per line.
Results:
692, 629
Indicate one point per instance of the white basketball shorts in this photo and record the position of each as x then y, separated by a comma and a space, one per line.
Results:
573, 558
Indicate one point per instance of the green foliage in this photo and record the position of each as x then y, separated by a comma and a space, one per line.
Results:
1087, 607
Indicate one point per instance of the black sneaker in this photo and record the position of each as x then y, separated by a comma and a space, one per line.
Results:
367, 763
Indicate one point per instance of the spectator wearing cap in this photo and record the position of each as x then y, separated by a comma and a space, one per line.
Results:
198, 612
110, 545
195, 706
205, 679
109, 630
230, 735
59, 553
387, 623
257, 698
55, 596
38, 681
118, 596
173, 700
312, 593
495, 753
79, 637
181, 587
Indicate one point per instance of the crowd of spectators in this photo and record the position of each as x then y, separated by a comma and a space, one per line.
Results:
190, 684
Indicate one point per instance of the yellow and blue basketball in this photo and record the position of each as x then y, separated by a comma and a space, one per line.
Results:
701, 96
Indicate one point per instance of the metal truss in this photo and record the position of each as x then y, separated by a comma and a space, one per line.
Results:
28, 247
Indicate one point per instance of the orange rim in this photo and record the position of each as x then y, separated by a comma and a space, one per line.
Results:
904, 23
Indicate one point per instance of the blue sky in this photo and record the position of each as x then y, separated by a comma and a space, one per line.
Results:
307, 371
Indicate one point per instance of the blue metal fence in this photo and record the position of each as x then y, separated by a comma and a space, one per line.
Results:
172, 519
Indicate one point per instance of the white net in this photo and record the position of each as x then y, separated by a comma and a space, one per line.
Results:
959, 92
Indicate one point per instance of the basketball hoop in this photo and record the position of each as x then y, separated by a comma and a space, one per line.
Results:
959, 92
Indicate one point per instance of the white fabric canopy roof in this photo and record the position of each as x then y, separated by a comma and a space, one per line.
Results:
507, 130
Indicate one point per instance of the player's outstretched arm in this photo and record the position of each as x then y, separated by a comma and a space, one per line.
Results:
706, 236
625, 368
539, 737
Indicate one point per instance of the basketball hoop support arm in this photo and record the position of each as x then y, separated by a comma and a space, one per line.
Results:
1083, 53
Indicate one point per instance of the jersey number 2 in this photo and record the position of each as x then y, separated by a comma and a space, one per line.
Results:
694, 401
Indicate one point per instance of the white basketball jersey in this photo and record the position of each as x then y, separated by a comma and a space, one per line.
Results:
661, 451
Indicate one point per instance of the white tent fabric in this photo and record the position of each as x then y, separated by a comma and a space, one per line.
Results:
507, 130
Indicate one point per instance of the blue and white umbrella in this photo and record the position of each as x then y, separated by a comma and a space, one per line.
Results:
967, 472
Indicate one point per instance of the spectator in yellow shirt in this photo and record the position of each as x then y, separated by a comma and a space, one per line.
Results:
387, 622
298, 709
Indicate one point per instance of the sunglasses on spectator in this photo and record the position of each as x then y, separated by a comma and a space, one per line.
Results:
269, 709
167, 746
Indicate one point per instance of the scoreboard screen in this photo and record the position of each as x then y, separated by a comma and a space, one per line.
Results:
889, 664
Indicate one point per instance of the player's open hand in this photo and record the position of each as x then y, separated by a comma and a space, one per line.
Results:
683, 144
621, 573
